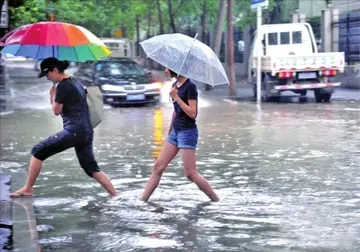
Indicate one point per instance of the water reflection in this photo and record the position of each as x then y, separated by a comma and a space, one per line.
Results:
158, 132
287, 175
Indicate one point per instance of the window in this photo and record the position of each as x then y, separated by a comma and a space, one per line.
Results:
284, 38
296, 37
112, 44
84, 66
272, 38
115, 68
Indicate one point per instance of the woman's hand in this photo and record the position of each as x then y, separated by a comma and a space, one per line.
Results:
174, 93
52, 94
52, 91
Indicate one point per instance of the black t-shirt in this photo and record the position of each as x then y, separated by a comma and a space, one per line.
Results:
186, 92
72, 94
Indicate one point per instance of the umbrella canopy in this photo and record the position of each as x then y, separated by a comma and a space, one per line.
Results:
187, 57
55, 39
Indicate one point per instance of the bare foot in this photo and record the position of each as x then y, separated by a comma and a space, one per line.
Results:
215, 200
21, 193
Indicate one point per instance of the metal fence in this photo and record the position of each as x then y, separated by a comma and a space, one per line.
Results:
349, 36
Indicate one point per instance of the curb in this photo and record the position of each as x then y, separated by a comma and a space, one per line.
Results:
21, 213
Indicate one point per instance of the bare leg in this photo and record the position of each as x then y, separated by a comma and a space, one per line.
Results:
166, 155
34, 170
189, 161
105, 182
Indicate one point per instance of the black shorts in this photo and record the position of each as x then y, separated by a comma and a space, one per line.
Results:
64, 140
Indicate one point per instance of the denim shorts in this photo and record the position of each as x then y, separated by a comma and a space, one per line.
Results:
184, 139
64, 140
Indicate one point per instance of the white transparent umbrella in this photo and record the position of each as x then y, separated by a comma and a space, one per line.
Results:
186, 56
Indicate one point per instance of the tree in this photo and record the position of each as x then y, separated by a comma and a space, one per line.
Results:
161, 22
171, 15
31, 11
219, 26
203, 22
230, 48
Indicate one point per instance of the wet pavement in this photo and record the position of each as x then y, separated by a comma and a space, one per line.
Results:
287, 174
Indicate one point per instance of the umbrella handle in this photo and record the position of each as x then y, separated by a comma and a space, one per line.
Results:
182, 64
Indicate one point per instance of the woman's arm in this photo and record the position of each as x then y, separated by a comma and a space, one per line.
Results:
56, 107
190, 109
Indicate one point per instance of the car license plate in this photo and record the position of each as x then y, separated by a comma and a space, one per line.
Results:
136, 97
309, 75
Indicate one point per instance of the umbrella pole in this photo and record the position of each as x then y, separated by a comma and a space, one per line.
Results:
182, 64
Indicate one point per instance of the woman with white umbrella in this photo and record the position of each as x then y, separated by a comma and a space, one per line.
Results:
186, 59
183, 136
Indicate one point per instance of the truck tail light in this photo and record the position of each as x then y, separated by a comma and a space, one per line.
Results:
328, 72
285, 75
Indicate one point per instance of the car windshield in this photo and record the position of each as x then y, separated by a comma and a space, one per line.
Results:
119, 68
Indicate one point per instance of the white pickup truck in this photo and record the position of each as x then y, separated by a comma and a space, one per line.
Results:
290, 61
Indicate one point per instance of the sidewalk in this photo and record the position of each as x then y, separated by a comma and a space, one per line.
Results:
244, 90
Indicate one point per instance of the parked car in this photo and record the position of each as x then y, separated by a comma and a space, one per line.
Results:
121, 81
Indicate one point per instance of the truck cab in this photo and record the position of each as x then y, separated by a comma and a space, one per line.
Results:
286, 39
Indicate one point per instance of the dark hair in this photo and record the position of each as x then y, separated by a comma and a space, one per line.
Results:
172, 73
58, 64
62, 65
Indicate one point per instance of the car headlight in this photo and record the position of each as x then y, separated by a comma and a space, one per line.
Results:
108, 87
152, 86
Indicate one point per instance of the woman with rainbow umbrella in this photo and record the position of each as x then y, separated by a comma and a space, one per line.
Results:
55, 43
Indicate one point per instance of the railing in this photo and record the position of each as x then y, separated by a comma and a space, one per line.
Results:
349, 36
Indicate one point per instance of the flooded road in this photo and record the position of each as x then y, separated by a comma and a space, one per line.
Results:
288, 176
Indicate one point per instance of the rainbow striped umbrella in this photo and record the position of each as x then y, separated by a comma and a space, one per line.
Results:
55, 39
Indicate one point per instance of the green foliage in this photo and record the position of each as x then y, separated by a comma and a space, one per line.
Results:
32, 11
246, 15
103, 17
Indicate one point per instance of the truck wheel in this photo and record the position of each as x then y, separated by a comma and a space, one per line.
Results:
303, 97
326, 97
319, 97
275, 98
267, 84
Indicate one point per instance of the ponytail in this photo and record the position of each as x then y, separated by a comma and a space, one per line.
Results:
62, 65
65, 64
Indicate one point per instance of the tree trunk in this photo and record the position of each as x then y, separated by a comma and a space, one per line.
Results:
203, 34
161, 23
203, 23
137, 20
149, 25
172, 22
230, 47
149, 61
219, 26
274, 16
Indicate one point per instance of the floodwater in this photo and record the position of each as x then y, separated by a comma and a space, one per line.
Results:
288, 176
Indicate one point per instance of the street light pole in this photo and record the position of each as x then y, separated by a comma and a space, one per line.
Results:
258, 74
258, 5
